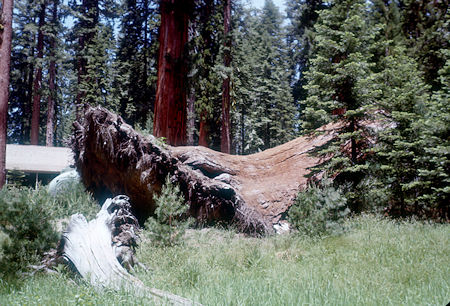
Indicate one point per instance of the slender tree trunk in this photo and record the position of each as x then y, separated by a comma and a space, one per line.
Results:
203, 132
52, 82
191, 118
38, 80
5, 62
225, 142
28, 105
170, 104
242, 130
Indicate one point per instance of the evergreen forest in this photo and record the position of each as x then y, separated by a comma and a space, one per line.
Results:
251, 79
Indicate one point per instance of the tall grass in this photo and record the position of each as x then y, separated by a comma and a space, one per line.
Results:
377, 262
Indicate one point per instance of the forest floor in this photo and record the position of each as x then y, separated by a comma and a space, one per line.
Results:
376, 262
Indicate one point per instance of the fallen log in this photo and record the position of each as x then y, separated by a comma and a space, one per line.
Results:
253, 191
100, 249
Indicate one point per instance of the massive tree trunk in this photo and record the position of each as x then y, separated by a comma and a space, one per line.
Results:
5, 61
38, 79
49, 136
170, 104
253, 191
225, 140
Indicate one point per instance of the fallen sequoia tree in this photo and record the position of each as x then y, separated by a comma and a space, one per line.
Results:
253, 191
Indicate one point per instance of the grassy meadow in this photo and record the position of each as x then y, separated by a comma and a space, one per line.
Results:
375, 262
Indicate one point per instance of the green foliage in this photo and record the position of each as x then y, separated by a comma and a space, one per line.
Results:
265, 111
29, 218
167, 228
378, 261
71, 200
434, 142
319, 210
25, 219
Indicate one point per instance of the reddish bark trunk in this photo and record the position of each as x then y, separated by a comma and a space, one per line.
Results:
203, 130
5, 61
170, 105
38, 80
225, 142
253, 191
49, 137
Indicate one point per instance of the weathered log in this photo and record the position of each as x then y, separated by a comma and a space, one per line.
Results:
253, 191
100, 249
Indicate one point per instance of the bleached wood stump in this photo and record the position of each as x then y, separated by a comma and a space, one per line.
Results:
100, 249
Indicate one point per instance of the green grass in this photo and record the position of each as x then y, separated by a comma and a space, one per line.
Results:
377, 262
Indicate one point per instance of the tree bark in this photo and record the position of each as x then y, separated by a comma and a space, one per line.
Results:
225, 140
49, 137
38, 80
170, 105
5, 61
101, 249
253, 191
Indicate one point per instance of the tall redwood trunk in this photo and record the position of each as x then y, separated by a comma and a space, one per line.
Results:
5, 61
38, 80
225, 141
170, 104
49, 137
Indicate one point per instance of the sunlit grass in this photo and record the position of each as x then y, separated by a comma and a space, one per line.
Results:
377, 262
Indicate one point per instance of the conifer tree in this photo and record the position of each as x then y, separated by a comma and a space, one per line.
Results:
425, 25
266, 105
36, 110
302, 14
404, 95
434, 143
22, 68
135, 82
52, 95
339, 82
207, 70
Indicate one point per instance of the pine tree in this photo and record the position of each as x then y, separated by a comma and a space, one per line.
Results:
167, 228
52, 95
22, 71
404, 95
225, 144
135, 81
265, 102
302, 14
434, 143
425, 25
37, 88
339, 88
207, 70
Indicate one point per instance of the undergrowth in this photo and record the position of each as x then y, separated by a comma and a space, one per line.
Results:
31, 220
376, 262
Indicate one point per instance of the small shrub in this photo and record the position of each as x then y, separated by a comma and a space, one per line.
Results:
26, 221
167, 227
319, 210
